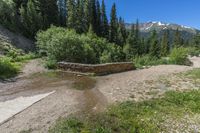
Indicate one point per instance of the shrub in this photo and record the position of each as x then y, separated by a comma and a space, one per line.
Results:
7, 68
51, 64
60, 44
179, 56
192, 51
148, 60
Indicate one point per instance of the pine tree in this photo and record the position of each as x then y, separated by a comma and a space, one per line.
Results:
104, 22
87, 14
130, 50
71, 14
165, 45
154, 45
122, 34
31, 19
80, 26
18, 4
93, 17
113, 25
98, 20
137, 38
62, 12
49, 12
177, 39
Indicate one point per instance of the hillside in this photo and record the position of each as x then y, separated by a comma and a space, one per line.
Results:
17, 40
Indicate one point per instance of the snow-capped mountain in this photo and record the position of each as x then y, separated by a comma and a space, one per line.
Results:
146, 28
157, 25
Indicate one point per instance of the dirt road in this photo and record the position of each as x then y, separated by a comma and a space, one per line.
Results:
88, 96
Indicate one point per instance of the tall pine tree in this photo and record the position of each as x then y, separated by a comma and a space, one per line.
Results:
154, 45
31, 18
49, 12
113, 25
177, 39
165, 44
71, 14
104, 22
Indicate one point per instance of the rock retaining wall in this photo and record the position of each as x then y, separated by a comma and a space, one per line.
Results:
100, 69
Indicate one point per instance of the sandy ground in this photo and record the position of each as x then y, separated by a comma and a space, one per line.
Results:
133, 85
196, 61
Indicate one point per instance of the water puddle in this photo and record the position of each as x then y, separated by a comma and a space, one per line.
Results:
91, 99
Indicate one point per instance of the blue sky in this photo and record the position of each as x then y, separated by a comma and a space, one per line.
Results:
184, 12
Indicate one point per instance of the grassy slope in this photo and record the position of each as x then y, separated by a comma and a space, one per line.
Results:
11, 60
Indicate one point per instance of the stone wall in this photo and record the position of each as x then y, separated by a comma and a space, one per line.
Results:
100, 69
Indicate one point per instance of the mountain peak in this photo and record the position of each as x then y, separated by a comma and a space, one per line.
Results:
159, 26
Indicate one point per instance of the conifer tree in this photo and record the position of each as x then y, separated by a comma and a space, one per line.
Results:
49, 12
98, 20
122, 34
93, 14
165, 46
71, 14
130, 49
87, 14
104, 22
177, 39
137, 38
154, 45
31, 18
80, 26
62, 12
113, 24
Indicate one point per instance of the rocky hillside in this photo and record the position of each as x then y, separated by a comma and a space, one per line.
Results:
15, 39
146, 28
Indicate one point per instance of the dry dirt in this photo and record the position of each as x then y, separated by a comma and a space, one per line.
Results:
133, 85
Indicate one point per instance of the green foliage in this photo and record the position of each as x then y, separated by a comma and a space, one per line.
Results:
8, 69
66, 45
179, 56
73, 126
195, 74
51, 64
165, 44
154, 45
193, 51
146, 116
104, 23
147, 60
177, 39
31, 18
113, 25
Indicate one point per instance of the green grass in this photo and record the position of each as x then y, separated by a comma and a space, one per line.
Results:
195, 73
132, 117
8, 68
147, 60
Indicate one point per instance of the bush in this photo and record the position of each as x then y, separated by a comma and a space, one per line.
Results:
8, 69
192, 51
51, 64
148, 60
60, 44
179, 56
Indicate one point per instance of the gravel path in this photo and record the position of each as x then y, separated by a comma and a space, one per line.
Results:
132, 85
